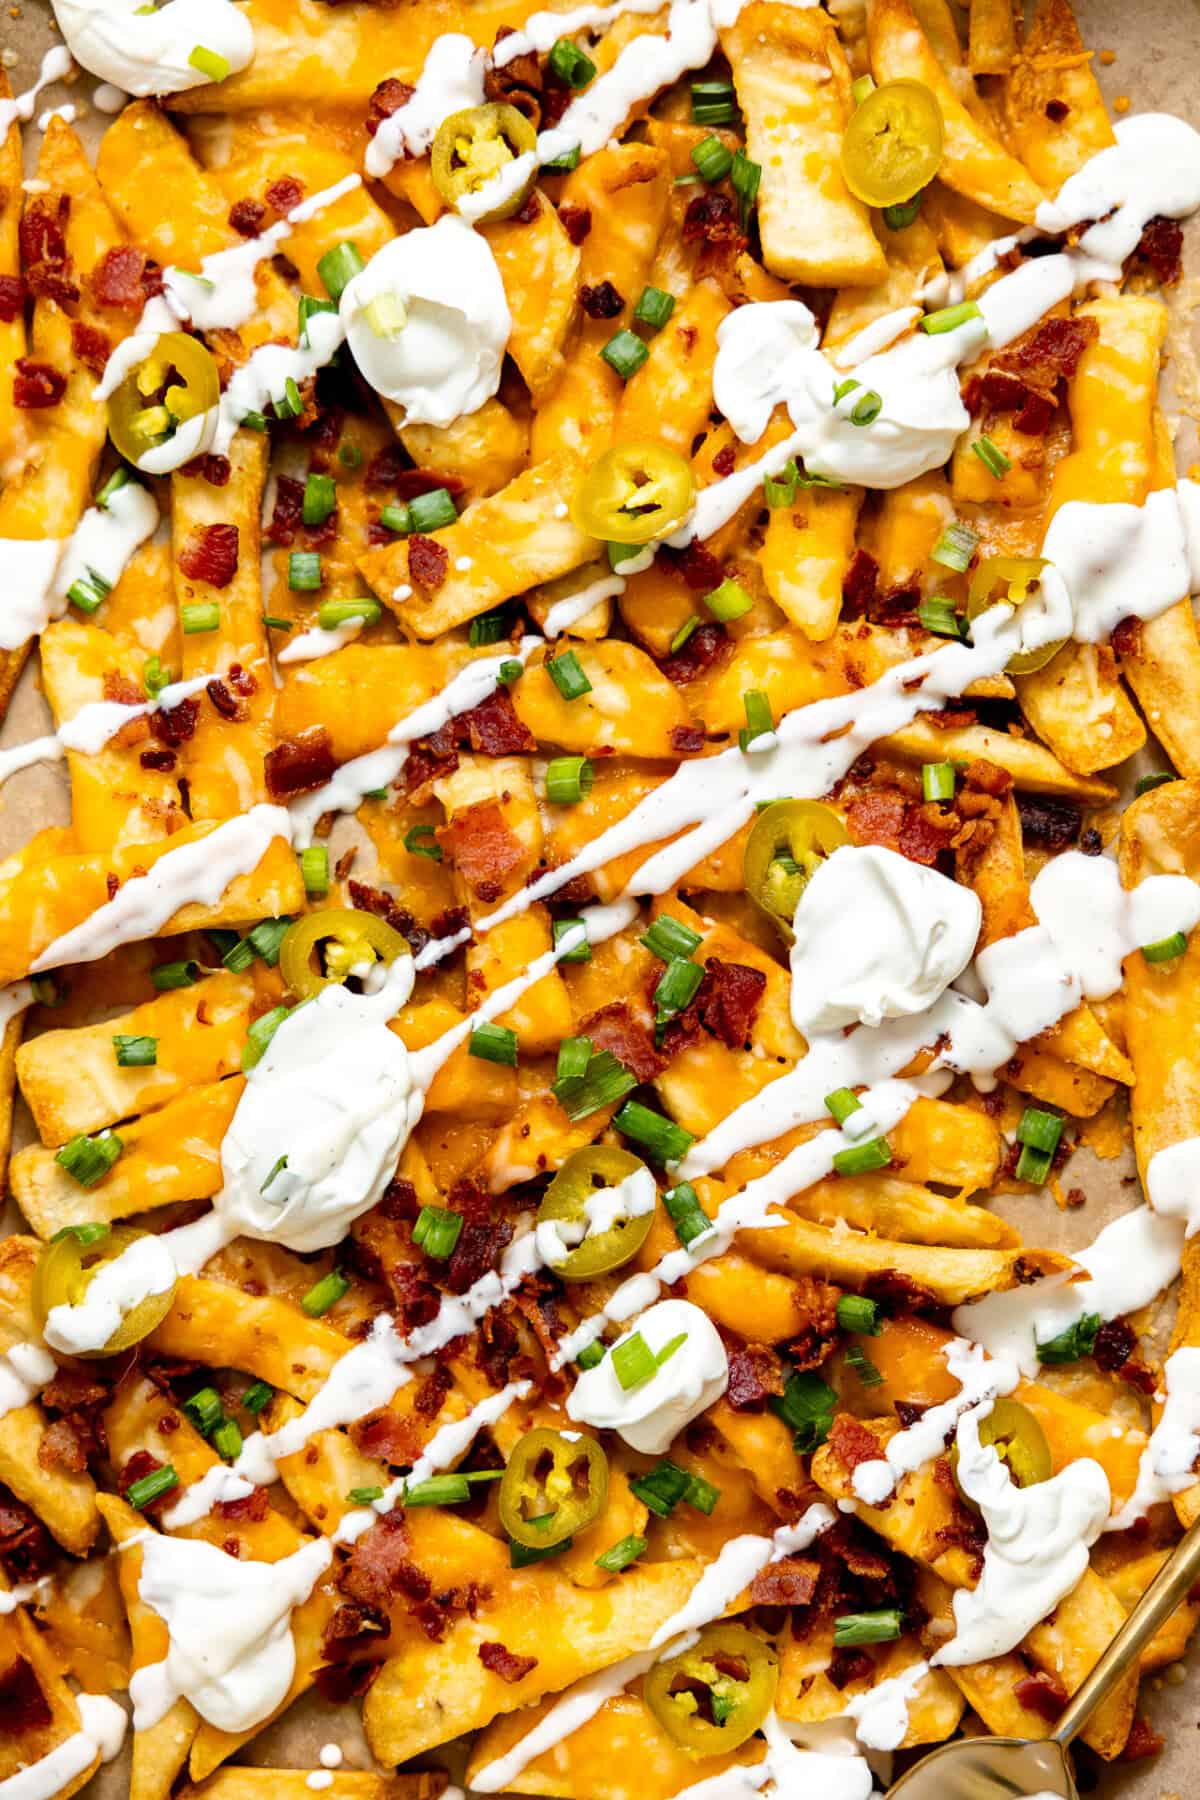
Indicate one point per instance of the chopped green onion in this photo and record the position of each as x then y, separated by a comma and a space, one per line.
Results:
806, 1406
154, 677
867, 407
759, 718
574, 1055
780, 490
1034, 1166
882, 1626
745, 176
254, 421
1040, 1130
654, 308
860, 1159
135, 1052
274, 624
281, 1163
175, 975
422, 841
569, 780
667, 938
267, 937
568, 62
397, 518
199, 615
205, 1410
314, 869
87, 1160
510, 672
488, 628
239, 955
117, 480
625, 353
258, 1397
566, 672
292, 403
437, 1231
562, 165
88, 595
1166, 949
666, 1141
620, 554
619, 1555
209, 62
431, 511
712, 158
320, 499
702, 1495
590, 1355
991, 456
712, 103
350, 456
259, 1036
304, 571
861, 87
364, 610
863, 1367
937, 781
903, 213
690, 624
151, 1487
363, 1496
327, 1292
1147, 783
603, 1082
1077, 1340
227, 1440
495, 1044
676, 988
386, 315
439, 1490
856, 1313
841, 1103
949, 318
686, 1214
581, 952
520, 1556
938, 615
729, 601
83, 1234
955, 548
662, 1488
633, 1361
338, 267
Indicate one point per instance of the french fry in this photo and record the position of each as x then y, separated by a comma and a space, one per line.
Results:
1054, 114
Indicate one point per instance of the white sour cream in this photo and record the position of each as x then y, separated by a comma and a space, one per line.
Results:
445, 359
142, 1270
1173, 1183
147, 50
650, 1416
24, 1371
1168, 1463
1037, 1548
877, 937
334, 1095
632, 1198
881, 1713
231, 1651
450, 82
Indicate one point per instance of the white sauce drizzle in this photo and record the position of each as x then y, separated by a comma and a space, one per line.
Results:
880, 1714
24, 1371
980, 1378
1168, 1463
143, 1269
103, 543
573, 607
450, 82
102, 1732
20, 109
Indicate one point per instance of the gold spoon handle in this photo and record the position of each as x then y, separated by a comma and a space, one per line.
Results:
1172, 1583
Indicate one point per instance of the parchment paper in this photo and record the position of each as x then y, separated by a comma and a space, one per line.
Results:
1156, 67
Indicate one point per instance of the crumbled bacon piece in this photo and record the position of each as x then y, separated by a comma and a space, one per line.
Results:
1142, 1741
431, 1393
343, 1682
1161, 246
161, 760
846, 1666
211, 555
1047, 824
92, 346
728, 999
615, 1029
482, 846
251, 1508
792, 1582
493, 728
141, 1464
374, 900
387, 99
1126, 636
26, 1550
852, 1443
506, 1663
386, 1437
601, 301
351, 1622
576, 221
373, 1570
288, 511
223, 701
860, 585
37, 385
299, 765
64, 1445
708, 645
755, 1373
428, 562
285, 193
521, 84
247, 217
1041, 1693
12, 298
713, 219
687, 740
174, 725
216, 470
480, 1245
23, 1705
117, 280
919, 831
700, 569
1050, 349
44, 255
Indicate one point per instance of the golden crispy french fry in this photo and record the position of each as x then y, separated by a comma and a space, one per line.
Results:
670, 396
267, 1336
632, 707
1055, 116
485, 450
12, 331
1033, 768
292, 1784
808, 549
992, 42
22, 1744
539, 266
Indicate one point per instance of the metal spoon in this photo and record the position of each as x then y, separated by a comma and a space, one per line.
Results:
987, 1768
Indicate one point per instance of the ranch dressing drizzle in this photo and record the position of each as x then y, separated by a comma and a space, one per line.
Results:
102, 1732
979, 1377
94, 726
573, 607
880, 1714
1168, 1462
143, 1269
103, 544
24, 1371
20, 109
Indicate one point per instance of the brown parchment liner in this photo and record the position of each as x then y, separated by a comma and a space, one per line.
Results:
1156, 67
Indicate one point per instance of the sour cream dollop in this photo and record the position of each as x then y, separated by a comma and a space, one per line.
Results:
652, 1414
428, 323
877, 937
147, 50
323, 1119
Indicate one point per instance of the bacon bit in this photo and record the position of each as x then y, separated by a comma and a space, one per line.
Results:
44, 255
1114, 1353
687, 740
521, 83
387, 99
860, 585
174, 725
23, 1705
493, 728
12, 298
479, 1248
117, 279
728, 999
289, 506
988, 777
285, 193
1047, 824
247, 217
386, 1437
1057, 110
792, 1582
700, 569
299, 765
251, 1508
1161, 246
708, 645
344, 1682
1043, 1694
64, 1446
816, 1302
113, 884
211, 555
755, 1373
374, 900
141, 1464
37, 385
162, 760
601, 301
482, 847
1143, 1741
430, 1396
429, 759
952, 718
1126, 636
576, 221
26, 1549
615, 1029
428, 562
92, 346
223, 701
505, 1663
216, 470
372, 1571
531, 210
852, 1443
846, 1666
1050, 349
241, 680
712, 218
725, 461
